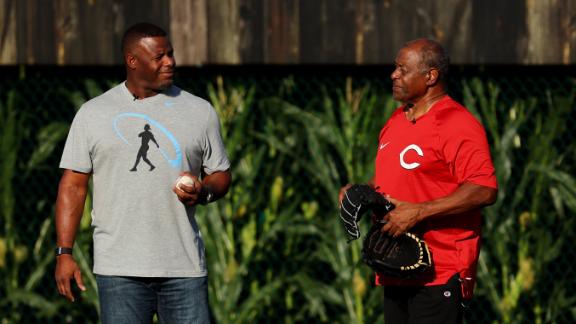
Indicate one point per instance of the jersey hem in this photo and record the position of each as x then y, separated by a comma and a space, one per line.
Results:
158, 274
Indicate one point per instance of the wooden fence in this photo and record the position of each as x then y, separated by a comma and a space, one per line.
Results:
80, 32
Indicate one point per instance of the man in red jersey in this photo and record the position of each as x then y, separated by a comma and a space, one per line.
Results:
433, 163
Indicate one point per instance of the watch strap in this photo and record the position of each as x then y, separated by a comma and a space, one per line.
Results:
63, 250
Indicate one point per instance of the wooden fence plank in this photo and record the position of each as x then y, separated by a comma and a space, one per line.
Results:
68, 34
35, 38
338, 34
550, 25
8, 43
498, 31
102, 26
569, 26
189, 31
251, 31
223, 37
327, 33
310, 31
281, 40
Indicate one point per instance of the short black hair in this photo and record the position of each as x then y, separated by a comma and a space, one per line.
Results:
139, 31
433, 55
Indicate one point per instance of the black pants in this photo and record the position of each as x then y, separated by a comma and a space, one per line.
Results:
426, 305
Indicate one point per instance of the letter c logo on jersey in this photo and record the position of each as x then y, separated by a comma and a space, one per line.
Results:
410, 166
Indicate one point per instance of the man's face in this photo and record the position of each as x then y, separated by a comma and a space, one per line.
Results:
155, 63
408, 80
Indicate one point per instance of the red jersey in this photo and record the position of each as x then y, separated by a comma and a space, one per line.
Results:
429, 159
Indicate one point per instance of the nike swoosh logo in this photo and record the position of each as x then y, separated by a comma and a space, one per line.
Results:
383, 145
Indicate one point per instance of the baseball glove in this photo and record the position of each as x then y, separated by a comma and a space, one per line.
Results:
357, 200
403, 256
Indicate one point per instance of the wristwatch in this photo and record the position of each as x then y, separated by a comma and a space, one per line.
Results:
63, 250
209, 196
206, 196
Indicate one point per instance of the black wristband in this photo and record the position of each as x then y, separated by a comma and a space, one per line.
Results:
63, 250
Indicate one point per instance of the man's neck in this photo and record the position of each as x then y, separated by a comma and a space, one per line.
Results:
139, 92
415, 110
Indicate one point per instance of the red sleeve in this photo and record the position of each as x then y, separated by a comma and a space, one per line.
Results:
465, 148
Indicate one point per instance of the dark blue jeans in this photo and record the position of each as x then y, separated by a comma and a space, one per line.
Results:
137, 299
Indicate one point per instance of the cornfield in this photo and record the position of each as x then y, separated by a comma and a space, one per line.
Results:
275, 247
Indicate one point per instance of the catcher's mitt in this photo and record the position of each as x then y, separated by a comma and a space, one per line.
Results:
357, 200
403, 256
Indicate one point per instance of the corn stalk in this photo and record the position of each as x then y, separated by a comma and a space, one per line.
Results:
528, 227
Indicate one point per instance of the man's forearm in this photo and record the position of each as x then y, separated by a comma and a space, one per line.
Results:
218, 183
467, 197
72, 193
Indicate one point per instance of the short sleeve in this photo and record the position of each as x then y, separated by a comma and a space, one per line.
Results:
77, 155
215, 158
465, 149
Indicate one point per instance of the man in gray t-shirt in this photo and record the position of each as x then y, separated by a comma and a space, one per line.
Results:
135, 140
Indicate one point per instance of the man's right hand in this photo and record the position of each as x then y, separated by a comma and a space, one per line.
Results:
189, 195
66, 270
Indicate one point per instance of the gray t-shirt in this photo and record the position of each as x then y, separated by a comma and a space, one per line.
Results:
135, 150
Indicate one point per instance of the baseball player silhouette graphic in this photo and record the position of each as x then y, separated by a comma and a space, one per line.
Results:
147, 136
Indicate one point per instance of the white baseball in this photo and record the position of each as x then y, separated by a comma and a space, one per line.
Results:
185, 180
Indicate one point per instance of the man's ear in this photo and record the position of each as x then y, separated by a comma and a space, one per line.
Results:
130, 60
432, 77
